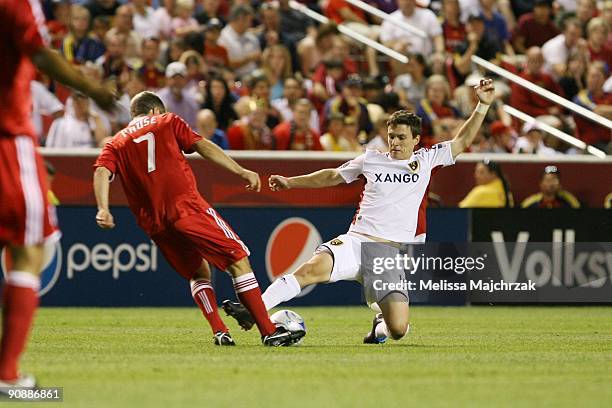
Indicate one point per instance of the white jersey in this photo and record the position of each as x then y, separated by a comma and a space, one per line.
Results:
394, 198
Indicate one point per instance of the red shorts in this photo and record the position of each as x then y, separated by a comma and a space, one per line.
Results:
26, 217
196, 237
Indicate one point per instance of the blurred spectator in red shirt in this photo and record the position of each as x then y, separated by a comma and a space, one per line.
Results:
296, 134
251, 132
453, 29
597, 34
535, 28
529, 102
502, 138
151, 71
594, 98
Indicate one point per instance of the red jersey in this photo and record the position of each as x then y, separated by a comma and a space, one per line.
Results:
455, 37
23, 32
333, 10
288, 138
530, 102
157, 180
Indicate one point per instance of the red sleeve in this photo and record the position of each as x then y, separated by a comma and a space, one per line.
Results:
281, 136
107, 158
185, 136
27, 24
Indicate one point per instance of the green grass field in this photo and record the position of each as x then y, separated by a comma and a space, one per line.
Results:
468, 356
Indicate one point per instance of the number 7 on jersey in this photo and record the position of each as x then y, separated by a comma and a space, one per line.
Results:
150, 138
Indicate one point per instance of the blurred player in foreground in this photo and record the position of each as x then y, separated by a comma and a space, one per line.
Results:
27, 219
392, 211
162, 193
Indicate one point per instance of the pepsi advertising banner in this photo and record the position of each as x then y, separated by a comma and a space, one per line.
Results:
123, 267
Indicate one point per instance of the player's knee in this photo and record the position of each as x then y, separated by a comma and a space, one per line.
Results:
398, 330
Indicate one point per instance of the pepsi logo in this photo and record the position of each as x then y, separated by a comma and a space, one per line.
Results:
292, 243
52, 264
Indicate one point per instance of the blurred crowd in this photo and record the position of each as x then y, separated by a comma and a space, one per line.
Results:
257, 75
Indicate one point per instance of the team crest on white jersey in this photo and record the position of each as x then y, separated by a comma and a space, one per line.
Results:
336, 241
414, 166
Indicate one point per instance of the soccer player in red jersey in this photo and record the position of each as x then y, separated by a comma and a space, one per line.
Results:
162, 193
27, 220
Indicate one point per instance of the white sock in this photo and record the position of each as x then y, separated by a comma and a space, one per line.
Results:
23, 279
381, 331
283, 289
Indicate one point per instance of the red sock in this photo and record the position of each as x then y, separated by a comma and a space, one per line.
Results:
20, 301
248, 292
204, 295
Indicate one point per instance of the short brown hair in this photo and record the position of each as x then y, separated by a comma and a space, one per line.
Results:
144, 102
404, 117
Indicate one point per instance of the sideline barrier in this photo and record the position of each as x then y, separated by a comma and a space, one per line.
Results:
587, 177
121, 267
564, 251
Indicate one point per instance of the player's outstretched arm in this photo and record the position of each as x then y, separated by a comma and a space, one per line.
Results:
469, 130
54, 65
215, 154
318, 179
104, 218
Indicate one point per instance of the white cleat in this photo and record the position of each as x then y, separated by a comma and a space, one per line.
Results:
23, 382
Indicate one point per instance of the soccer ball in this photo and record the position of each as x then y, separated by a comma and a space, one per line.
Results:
289, 320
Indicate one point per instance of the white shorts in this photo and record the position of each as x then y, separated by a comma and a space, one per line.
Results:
346, 249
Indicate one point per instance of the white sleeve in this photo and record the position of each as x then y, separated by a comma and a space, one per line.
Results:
552, 54
49, 104
52, 139
434, 28
440, 154
352, 169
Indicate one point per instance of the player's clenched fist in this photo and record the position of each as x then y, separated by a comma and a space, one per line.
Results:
277, 183
105, 219
253, 179
485, 91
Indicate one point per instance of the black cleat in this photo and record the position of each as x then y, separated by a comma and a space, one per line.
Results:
223, 339
240, 313
282, 337
371, 338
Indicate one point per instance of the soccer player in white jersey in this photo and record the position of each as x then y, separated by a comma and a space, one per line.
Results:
392, 210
